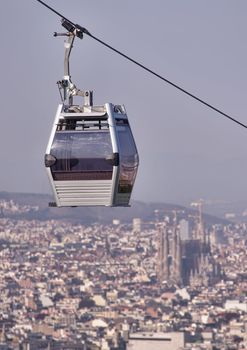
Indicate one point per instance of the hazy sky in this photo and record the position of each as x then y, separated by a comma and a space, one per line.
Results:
186, 150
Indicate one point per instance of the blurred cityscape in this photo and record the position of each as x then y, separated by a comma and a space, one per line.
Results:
175, 282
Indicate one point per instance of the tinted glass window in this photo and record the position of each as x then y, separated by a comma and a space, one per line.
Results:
77, 152
82, 144
128, 151
128, 159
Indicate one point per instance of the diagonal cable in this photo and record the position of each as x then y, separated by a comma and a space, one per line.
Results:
85, 31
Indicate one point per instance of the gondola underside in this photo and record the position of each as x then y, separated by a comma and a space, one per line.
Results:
84, 193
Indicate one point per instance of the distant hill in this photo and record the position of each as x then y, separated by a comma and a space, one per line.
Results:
36, 207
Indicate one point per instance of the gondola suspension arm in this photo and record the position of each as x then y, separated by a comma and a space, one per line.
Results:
69, 89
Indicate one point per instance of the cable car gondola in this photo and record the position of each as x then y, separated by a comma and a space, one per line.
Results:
91, 157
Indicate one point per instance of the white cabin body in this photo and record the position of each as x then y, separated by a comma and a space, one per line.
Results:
91, 157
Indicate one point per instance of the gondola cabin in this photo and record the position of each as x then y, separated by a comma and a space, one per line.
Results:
91, 157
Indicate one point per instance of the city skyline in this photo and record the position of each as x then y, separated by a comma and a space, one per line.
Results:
156, 284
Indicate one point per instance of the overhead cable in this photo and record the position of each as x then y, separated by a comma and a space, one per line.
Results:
85, 31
